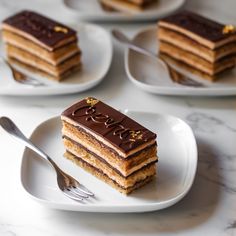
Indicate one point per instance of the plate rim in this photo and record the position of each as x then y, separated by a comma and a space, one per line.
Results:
125, 17
146, 207
177, 90
73, 88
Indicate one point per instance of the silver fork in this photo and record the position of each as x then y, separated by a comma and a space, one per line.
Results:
67, 184
20, 77
175, 76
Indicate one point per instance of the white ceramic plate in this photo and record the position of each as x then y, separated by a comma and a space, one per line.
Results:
96, 62
176, 169
147, 75
91, 10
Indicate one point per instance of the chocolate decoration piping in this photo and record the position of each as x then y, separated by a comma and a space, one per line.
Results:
97, 117
45, 30
115, 127
204, 27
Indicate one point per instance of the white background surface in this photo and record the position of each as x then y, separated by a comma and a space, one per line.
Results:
209, 208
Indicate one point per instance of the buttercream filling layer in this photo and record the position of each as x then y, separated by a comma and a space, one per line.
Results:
53, 57
126, 5
48, 75
34, 61
180, 64
125, 165
79, 150
188, 44
195, 61
148, 172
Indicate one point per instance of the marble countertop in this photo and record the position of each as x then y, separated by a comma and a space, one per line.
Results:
208, 209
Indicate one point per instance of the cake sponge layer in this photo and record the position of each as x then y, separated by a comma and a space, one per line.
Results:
188, 44
125, 166
107, 169
92, 170
195, 61
53, 57
32, 69
171, 61
40, 64
129, 6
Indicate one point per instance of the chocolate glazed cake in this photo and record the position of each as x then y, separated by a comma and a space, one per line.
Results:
109, 145
128, 6
198, 44
42, 45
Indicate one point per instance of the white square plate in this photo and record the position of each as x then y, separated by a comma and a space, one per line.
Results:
148, 76
177, 164
96, 47
91, 10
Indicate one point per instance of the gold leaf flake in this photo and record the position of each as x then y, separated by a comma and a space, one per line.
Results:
91, 101
229, 29
61, 29
135, 135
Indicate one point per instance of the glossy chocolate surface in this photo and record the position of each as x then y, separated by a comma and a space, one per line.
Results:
47, 31
118, 129
204, 27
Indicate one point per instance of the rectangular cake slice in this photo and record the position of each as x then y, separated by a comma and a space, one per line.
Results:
109, 145
44, 45
198, 42
127, 6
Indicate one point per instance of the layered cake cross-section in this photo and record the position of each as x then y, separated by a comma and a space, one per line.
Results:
41, 45
128, 6
109, 145
200, 45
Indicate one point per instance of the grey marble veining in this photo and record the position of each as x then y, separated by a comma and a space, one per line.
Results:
217, 167
201, 122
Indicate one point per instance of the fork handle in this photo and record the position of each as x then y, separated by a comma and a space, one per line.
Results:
10, 127
147, 53
141, 50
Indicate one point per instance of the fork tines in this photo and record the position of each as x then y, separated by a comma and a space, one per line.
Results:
23, 79
77, 193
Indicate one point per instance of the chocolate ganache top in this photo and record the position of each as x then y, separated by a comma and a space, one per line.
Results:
204, 27
118, 129
47, 31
